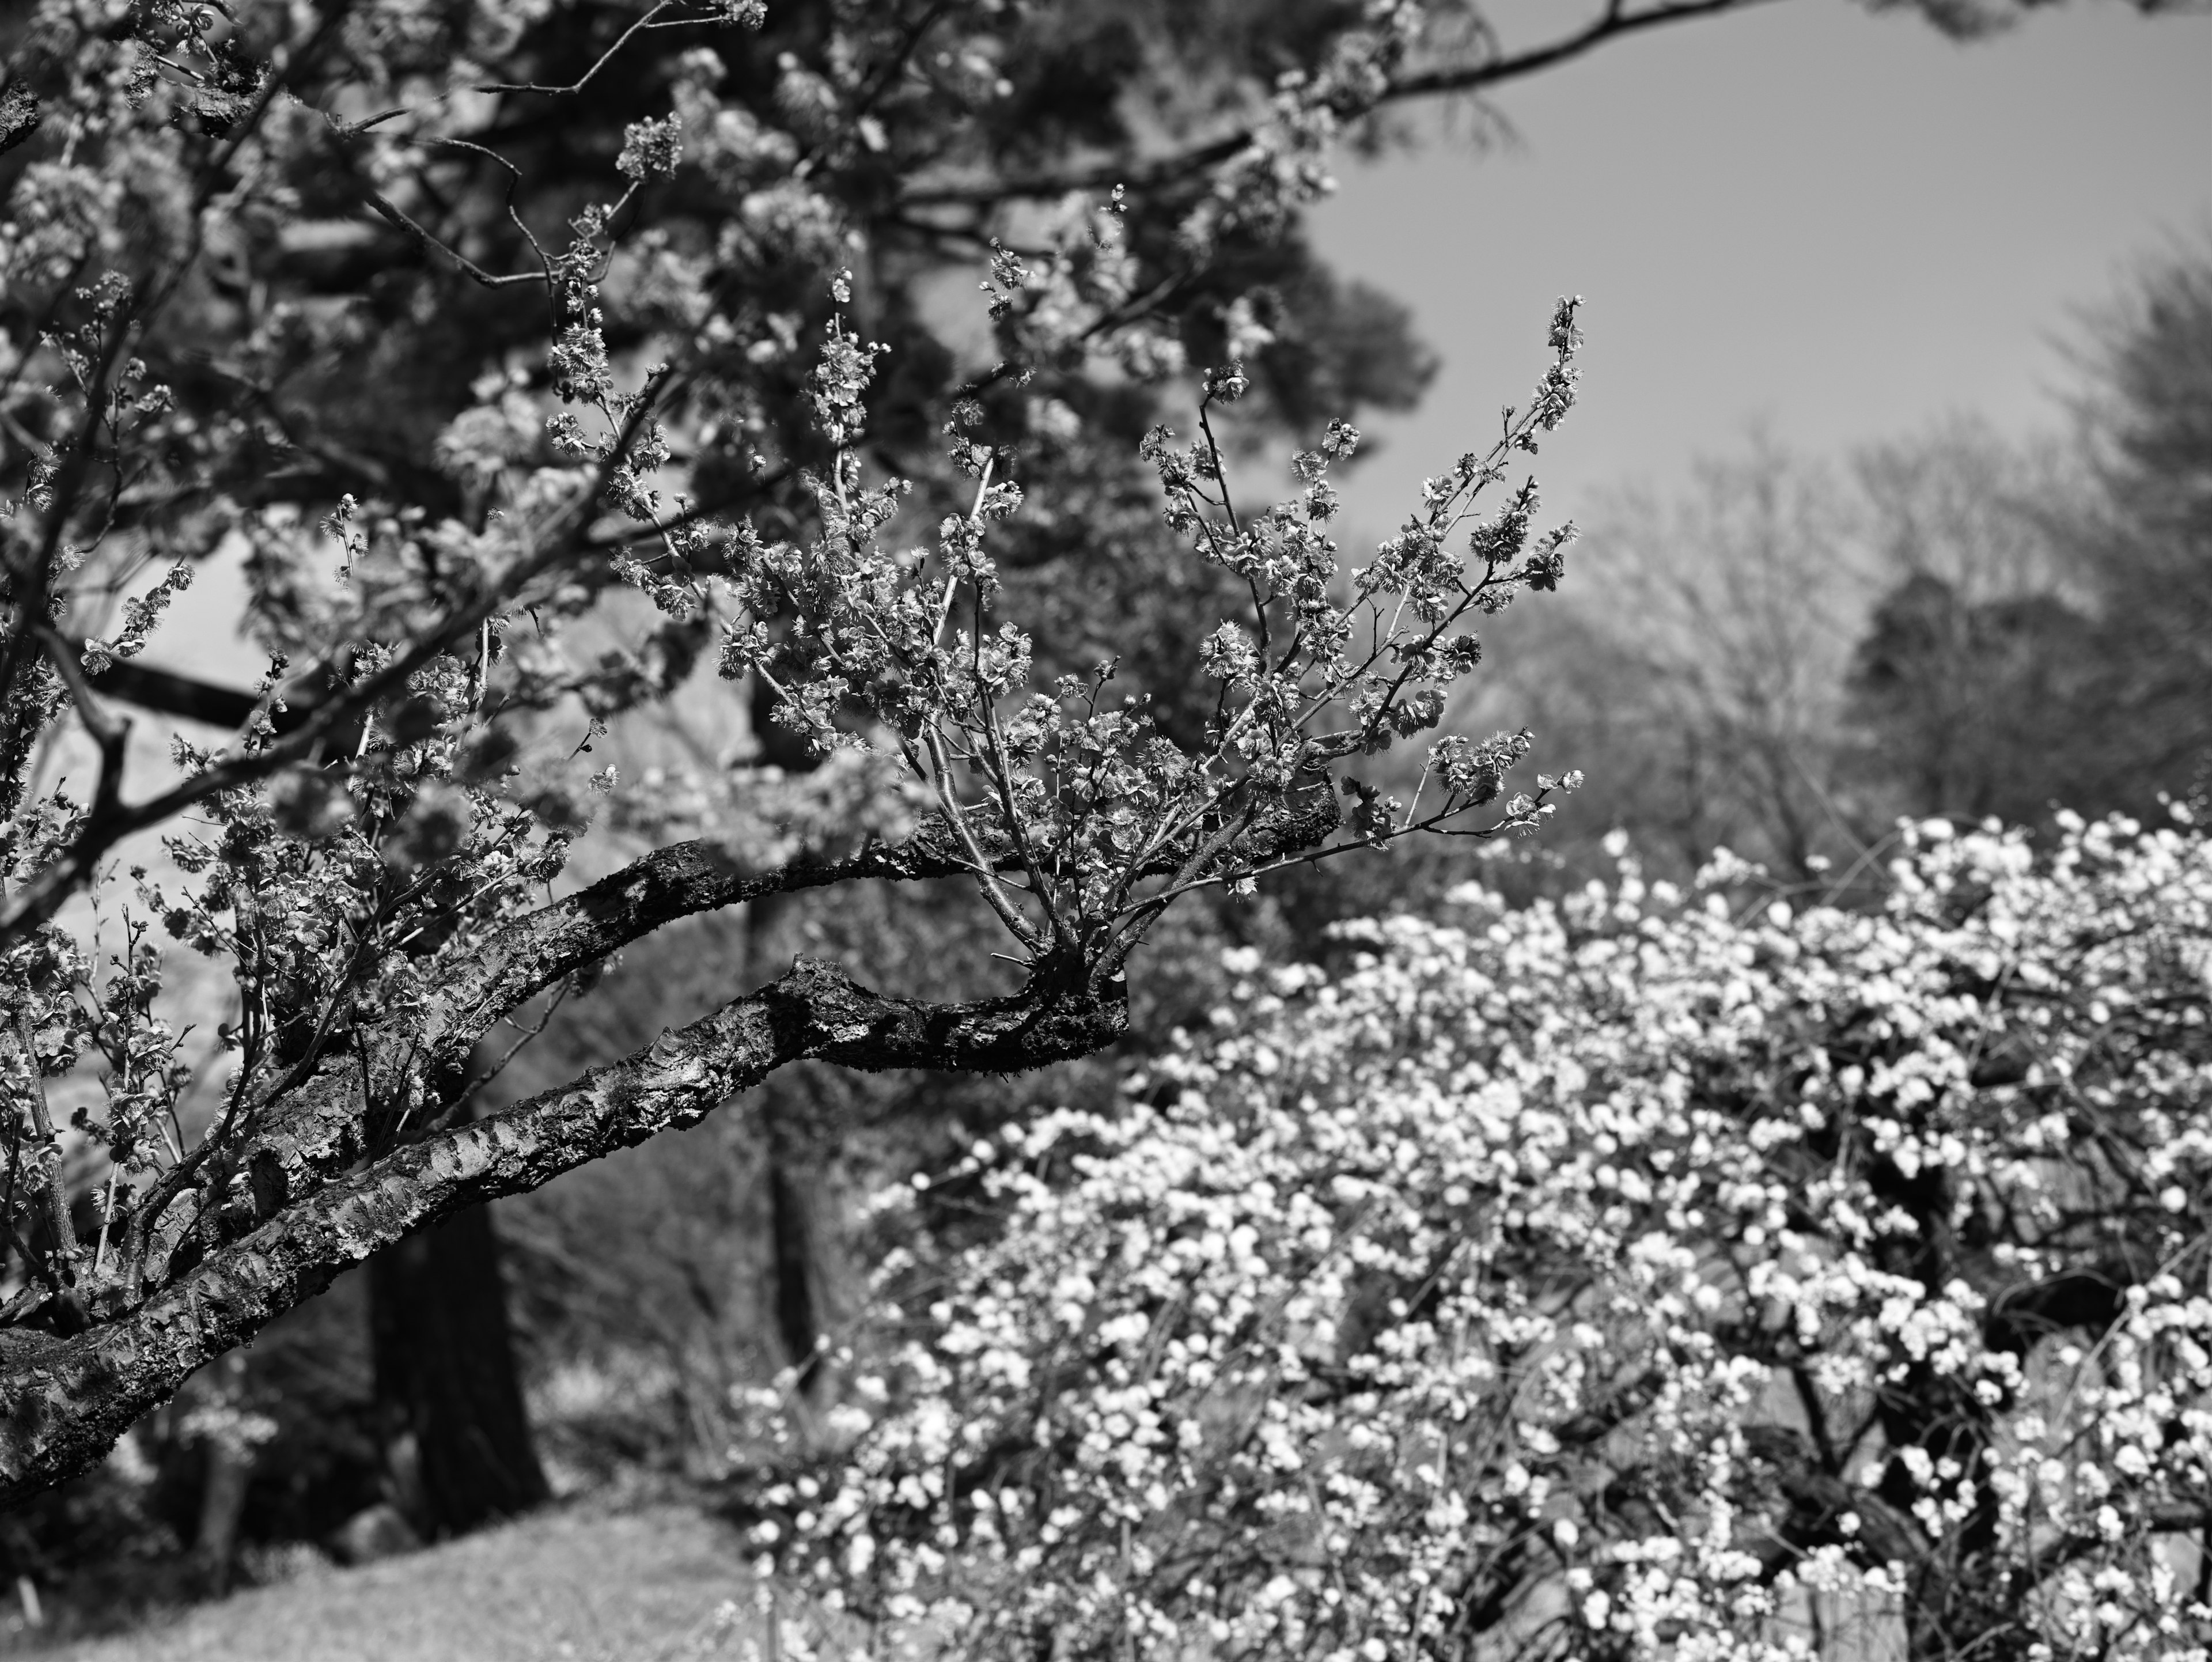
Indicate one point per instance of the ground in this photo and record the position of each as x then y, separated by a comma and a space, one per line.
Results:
580, 1584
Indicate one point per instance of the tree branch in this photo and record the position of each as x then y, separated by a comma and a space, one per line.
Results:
681, 880
1614, 23
300, 1134
70, 1399
468, 268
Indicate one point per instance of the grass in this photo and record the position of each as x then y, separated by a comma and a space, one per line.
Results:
572, 1585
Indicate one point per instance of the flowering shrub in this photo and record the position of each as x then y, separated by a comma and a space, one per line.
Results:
1621, 1277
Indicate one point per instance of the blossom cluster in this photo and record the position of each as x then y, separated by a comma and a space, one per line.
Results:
1637, 1274
1082, 796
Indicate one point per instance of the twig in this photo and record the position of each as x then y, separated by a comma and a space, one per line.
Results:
605, 58
467, 267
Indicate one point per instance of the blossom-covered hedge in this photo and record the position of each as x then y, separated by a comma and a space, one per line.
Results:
1628, 1276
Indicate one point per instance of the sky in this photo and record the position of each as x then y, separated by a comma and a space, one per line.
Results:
1838, 227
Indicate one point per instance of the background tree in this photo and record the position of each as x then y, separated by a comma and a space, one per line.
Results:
1962, 683
1699, 674
2142, 546
1783, 658
2044, 642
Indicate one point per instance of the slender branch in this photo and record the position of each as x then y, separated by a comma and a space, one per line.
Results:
647, 21
461, 262
1236, 527
940, 778
522, 959
1615, 23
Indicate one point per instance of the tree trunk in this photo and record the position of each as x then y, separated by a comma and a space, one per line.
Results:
447, 1388
797, 1323
813, 1297
222, 1501
227, 1460
799, 1247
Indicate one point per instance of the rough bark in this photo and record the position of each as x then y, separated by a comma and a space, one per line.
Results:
68, 1400
292, 1144
681, 880
301, 1134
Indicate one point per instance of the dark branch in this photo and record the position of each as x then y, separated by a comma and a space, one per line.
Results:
461, 263
70, 1399
1615, 23
164, 692
299, 1135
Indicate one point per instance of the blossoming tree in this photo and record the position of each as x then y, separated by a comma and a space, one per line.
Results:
372, 852
1628, 1277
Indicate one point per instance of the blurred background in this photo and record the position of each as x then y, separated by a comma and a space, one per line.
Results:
1894, 473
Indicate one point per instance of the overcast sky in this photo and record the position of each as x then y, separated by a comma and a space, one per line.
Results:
1842, 225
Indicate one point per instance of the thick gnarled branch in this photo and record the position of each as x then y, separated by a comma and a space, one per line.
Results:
70, 1399
291, 1142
